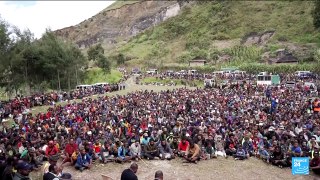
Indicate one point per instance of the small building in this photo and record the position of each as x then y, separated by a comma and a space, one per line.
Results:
197, 62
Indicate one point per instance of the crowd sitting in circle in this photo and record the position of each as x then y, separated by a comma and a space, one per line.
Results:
271, 123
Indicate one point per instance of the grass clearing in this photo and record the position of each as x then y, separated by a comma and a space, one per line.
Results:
96, 75
179, 82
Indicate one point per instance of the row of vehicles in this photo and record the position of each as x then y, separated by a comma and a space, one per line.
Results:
263, 78
86, 86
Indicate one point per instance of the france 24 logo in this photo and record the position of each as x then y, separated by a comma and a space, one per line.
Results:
300, 166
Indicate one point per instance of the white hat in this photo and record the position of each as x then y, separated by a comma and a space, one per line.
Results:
271, 128
89, 133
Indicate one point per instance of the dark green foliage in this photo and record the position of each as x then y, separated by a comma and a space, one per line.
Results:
30, 64
94, 52
316, 14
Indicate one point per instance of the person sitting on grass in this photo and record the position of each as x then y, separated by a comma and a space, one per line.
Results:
174, 145
277, 158
183, 146
165, 150
105, 153
210, 151
123, 152
70, 148
248, 146
240, 154
315, 162
151, 150
135, 150
220, 147
193, 153
84, 161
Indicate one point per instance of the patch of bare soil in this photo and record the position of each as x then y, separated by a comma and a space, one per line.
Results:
219, 168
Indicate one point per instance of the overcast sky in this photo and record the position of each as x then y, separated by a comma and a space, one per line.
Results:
39, 15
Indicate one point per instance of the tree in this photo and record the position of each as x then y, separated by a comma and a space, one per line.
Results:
316, 14
104, 63
26, 63
120, 59
213, 55
94, 52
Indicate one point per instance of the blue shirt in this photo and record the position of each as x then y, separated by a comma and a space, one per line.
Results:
85, 159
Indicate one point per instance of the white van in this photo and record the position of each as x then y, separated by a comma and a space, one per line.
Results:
83, 86
299, 73
152, 71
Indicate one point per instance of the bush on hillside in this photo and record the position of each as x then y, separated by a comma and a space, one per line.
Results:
316, 14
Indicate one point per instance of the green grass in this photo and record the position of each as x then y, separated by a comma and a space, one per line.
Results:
198, 26
167, 81
119, 4
96, 75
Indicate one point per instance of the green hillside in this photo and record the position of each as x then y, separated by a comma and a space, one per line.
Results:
212, 29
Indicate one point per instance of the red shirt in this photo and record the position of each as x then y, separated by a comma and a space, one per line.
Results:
51, 150
71, 148
183, 147
315, 162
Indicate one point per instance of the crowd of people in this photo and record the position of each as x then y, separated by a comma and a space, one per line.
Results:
240, 121
19, 103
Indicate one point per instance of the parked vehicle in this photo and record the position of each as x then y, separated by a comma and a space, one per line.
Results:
264, 78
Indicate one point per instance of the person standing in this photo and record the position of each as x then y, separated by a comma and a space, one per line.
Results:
130, 173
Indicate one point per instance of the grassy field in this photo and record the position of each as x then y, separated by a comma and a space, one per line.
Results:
96, 75
167, 81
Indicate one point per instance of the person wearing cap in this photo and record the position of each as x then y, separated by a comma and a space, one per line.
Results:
23, 171
151, 151
315, 162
